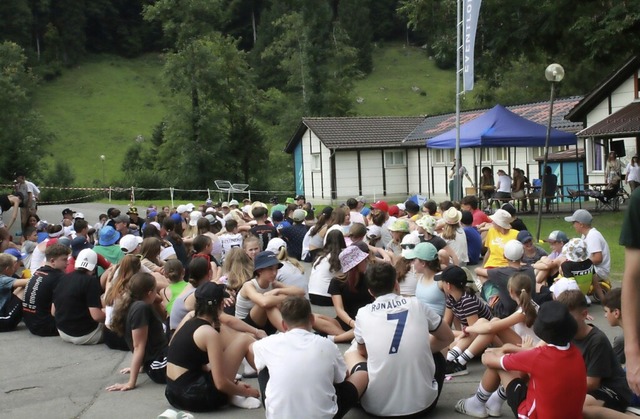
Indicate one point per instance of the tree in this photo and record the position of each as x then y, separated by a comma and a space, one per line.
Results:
355, 20
22, 135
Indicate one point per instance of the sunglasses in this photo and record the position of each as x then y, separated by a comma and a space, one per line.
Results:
408, 246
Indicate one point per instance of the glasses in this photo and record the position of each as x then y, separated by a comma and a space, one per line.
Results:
408, 246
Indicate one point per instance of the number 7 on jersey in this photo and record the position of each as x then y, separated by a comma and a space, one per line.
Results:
401, 317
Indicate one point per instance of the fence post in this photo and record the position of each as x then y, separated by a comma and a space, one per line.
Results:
171, 193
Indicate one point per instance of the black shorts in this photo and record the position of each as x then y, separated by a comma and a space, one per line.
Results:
268, 327
11, 314
157, 369
320, 300
195, 391
516, 394
610, 398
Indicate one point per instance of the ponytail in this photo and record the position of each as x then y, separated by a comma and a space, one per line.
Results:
520, 285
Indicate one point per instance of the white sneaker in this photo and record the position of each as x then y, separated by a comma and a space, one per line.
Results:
248, 371
245, 402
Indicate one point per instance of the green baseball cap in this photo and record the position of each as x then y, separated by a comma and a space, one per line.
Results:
422, 251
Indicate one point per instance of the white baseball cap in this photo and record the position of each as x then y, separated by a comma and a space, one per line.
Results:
87, 259
129, 243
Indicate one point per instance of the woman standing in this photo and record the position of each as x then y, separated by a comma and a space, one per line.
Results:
633, 173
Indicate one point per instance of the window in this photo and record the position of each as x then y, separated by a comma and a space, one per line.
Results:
502, 153
538, 152
485, 155
394, 159
315, 162
443, 156
598, 159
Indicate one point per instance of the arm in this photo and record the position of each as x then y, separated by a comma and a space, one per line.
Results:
340, 312
491, 358
631, 313
266, 300
440, 338
97, 314
288, 290
140, 336
448, 316
452, 255
593, 383
471, 320
596, 258
16, 210
493, 327
237, 324
20, 283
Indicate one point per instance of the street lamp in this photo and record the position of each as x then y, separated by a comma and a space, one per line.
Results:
554, 73
102, 157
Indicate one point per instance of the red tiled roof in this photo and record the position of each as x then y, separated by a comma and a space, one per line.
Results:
536, 112
623, 123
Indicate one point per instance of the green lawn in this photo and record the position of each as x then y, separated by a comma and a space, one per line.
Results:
100, 108
404, 82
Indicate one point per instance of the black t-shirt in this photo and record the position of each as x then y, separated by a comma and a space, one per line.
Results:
601, 362
140, 315
438, 242
629, 234
518, 224
572, 269
38, 296
352, 300
5, 203
264, 232
294, 236
75, 294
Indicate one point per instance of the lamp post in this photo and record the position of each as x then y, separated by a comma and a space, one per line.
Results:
554, 73
102, 157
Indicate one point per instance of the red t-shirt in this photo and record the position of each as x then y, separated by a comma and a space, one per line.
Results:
557, 385
480, 217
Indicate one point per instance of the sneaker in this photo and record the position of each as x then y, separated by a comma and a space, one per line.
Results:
455, 369
461, 407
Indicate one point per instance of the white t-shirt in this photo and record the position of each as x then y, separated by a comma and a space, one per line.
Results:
596, 243
633, 173
395, 330
229, 241
303, 368
289, 275
504, 184
459, 246
320, 277
356, 217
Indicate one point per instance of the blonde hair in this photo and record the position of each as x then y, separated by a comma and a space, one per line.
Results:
283, 256
128, 266
6, 261
449, 231
238, 268
249, 239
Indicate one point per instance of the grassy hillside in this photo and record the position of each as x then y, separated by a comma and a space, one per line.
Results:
404, 82
100, 108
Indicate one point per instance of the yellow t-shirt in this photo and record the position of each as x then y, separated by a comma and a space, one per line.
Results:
495, 241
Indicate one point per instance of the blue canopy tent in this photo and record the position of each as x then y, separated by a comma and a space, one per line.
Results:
499, 127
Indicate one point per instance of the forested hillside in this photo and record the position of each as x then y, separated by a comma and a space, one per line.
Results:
238, 74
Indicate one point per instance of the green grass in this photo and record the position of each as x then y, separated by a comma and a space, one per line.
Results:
391, 88
100, 108
609, 224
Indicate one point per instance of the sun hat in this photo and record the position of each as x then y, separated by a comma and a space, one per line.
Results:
502, 218
394, 210
108, 236
452, 216
454, 275
129, 243
87, 259
181, 209
554, 324
225, 205
581, 216
79, 244
422, 251
380, 205
299, 215
234, 202
133, 210
428, 223
290, 201
194, 216
524, 236
275, 244
557, 236
14, 252
400, 225
409, 242
350, 257
513, 250
575, 250
265, 259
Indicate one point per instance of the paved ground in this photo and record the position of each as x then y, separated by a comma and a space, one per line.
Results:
45, 377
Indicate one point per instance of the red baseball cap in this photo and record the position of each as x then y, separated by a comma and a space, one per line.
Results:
380, 205
394, 210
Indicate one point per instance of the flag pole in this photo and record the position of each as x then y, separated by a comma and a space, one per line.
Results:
459, 54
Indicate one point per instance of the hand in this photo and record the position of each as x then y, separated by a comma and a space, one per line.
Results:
228, 302
633, 371
125, 370
527, 342
249, 391
260, 334
120, 387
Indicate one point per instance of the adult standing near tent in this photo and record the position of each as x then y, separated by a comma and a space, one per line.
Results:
613, 170
452, 179
633, 173
487, 186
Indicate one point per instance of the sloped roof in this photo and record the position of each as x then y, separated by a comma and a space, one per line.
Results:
564, 155
623, 123
357, 132
603, 89
537, 112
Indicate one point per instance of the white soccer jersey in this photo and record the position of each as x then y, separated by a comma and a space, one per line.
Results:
395, 330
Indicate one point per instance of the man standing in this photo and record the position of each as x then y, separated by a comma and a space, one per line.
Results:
596, 246
22, 187
400, 338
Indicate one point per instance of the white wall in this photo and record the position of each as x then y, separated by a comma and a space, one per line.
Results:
317, 184
371, 172
347, 174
